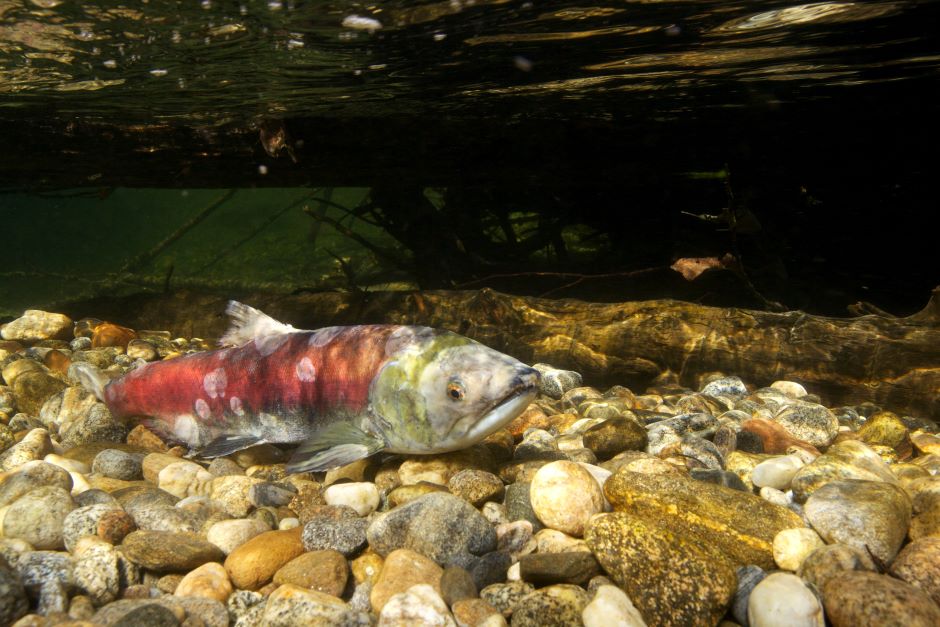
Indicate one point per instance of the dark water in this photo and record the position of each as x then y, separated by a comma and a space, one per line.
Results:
561, 148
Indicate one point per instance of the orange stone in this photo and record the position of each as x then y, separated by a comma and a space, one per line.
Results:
57, 361
108, 334
145, 438
775, 438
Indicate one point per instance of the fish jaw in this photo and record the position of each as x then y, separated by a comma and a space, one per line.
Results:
495, 419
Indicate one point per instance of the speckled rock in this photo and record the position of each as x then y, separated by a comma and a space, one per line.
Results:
32, 475
861, 514
849, 459
323, 571
363, 497
133, 612
440, 468
35, 325
209, 581
38, 567
165, 551
403, 569
441, 526
506, 596
884, 428
232, 492
614, 436
13, 601
118, 465
791, 546
861, 598
554, 382
477, 613
918, 564
559, 605
476, 486
694, 586
254, 563
183, 478
231, 534
34, 446
783, 599
577, 567
564, 496
419, 605
38, 516
96, 426
290, 605
832, 559
742, 525
809, 422
96, 569
346, 535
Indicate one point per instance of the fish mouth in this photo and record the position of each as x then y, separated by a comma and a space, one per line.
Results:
503, 411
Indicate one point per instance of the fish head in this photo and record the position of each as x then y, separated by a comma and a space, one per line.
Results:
446, 392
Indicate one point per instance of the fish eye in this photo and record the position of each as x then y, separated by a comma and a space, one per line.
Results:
455, 391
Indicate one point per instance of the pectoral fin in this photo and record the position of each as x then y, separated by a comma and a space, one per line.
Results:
228, 444
334, 446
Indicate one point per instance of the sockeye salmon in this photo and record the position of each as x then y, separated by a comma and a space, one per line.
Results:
344, 393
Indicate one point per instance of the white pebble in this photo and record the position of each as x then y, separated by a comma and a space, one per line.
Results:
776, 472
288, 523
421, 604
783, 599
72, 465
228, 535
611, 606
514, 572
184, 479
790, 388
791, 546
362, 497
79, 483
565, 495
775, 496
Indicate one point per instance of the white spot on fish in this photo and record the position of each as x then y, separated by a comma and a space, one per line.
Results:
236, 404
306, 371
214, 383
185, 427
202, 408
267, 344
324, 336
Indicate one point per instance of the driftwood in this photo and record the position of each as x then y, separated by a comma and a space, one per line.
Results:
893, 362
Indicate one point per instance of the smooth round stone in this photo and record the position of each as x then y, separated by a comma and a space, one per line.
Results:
98, 426
32, 475
107, 521
791, 546
69, 465
783, 599
345, 535
477, 613
611, 606
150, 614
918, 564
420, 604
865, 514
776, 472
35, 325
209, 581
223, 466
725, 478
518, 504
854, 598
564, 496
232, 493
554, 382
32, 389
614, 436
457, 584
141, 349
34, 446
552, 541
925, 443
490, 568
476, 486
96, 571
850, 459
401, 570
790, 388
748, 577
118, 465
38, 517
254, 563
577, 567
440, 468
884, 429
515, 538
165, 551
291, 605
809, 422
267, 494
830, 560
558, 605
323, 571
184, 478
441, 526
366, 567
362, 497
506, 596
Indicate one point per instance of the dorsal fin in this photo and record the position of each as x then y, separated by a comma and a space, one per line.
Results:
249, 323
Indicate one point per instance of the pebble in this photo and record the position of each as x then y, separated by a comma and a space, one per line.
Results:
490, 568
324, 571
564, 496
615, 436
518, 504
266, 494
441, 526
515, 538
96, 569
32, 475
291, 605
554, 382
165, 551
209, 581
918, 564
577, 567
254, 563
34, 446
35, 325
440, 468
183, 478
552, 541
131, 613
38, 517
345, 535
748, 578
505, 596
118, 465
223, 466
862, 598
457, 584
783, 599
232, 493
791, 546
611, 606
776, 472
868, 515
830, 560
695, 586
141, 349
419, 605
401, 570
849, 459
809, 422
559, 605
13, 601
883, 429
476, 486
362, 497
96, 426
477, 613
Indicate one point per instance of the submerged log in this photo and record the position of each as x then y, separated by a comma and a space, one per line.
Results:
893, 362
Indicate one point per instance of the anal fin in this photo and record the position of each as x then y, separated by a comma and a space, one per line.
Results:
228, 444
332, 447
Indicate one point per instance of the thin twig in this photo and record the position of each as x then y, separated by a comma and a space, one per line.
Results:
344, 230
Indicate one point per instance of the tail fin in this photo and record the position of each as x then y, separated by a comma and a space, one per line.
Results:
249, 323
90, 377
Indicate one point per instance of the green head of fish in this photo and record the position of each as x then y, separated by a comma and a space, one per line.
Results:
444, 392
